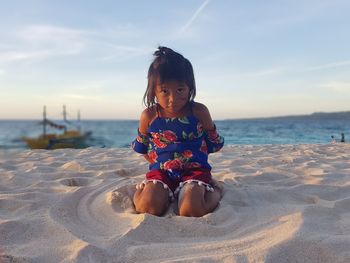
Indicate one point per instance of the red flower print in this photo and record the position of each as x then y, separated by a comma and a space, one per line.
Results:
161, 140
173, 164
204, 147
187, 154
158, 143
169, 136
192, 165
153, 156
155, 135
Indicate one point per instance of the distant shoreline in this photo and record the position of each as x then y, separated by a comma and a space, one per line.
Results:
315, 115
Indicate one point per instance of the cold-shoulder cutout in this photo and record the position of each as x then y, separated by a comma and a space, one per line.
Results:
201, 112
148, 115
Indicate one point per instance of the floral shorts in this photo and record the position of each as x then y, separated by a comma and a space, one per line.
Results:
198, 175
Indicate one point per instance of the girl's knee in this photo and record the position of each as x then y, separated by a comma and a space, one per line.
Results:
149, 208
192, 205
194, 202
152, 199
192, 210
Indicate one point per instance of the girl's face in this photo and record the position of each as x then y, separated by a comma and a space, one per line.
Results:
172, 96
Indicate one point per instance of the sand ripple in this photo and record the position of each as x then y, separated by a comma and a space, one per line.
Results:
281, 204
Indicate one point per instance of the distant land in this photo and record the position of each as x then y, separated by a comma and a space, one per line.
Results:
340, 115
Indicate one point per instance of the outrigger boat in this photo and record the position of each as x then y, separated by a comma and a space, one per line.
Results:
70, 138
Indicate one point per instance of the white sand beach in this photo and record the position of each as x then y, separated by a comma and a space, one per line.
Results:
282, 203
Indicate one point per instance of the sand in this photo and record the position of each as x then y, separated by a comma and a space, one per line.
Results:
287, 203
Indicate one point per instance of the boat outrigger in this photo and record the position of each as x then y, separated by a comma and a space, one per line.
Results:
70, 138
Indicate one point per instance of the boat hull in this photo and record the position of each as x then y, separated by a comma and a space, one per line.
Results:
70, 139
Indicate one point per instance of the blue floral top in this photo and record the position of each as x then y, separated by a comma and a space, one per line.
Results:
175, 144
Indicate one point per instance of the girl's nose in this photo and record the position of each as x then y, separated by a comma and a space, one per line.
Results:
171, 97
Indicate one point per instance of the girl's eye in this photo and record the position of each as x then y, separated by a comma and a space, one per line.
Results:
163, 91
180, 90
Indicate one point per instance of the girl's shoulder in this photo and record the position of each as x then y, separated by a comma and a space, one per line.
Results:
148, 115
199, 110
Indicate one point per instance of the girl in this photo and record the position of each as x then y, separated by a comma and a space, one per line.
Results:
175, 135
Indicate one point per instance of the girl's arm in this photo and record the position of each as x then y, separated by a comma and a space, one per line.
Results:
203, 115
213, 140
140, 144
147, 158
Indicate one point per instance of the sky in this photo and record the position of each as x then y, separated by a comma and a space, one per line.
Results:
250, 58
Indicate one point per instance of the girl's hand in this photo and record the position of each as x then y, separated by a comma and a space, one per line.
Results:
147, 158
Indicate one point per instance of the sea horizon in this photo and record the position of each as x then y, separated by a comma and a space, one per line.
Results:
316, 128
318, 114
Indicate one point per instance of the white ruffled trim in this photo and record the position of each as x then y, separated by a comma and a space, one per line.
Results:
208, 187
154, 181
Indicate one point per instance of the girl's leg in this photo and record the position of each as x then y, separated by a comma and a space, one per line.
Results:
152, 199
195, 201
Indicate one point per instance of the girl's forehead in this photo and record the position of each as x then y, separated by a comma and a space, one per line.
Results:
170, 83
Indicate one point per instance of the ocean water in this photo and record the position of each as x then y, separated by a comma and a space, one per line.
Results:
120, 133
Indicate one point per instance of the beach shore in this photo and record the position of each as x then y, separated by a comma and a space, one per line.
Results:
282, 203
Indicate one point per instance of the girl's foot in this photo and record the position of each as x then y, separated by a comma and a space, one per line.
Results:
218, 186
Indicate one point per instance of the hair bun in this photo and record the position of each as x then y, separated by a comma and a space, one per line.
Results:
163, 51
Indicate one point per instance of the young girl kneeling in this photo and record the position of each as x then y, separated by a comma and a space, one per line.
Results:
176, 135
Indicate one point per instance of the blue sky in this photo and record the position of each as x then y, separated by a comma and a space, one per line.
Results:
251, 58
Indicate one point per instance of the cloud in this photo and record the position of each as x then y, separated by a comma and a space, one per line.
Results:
264, 72
330, 65
44, 41
118, 42
270, 16
45, 33
121, 52
13, 56
36, 42
193, 17
119, 32
339, 87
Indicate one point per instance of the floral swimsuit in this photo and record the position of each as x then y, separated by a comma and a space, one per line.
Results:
178, 149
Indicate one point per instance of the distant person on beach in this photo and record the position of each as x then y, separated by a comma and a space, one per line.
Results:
333, 139
342, 138
175, 135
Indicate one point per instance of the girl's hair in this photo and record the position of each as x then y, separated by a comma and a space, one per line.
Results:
168, 65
